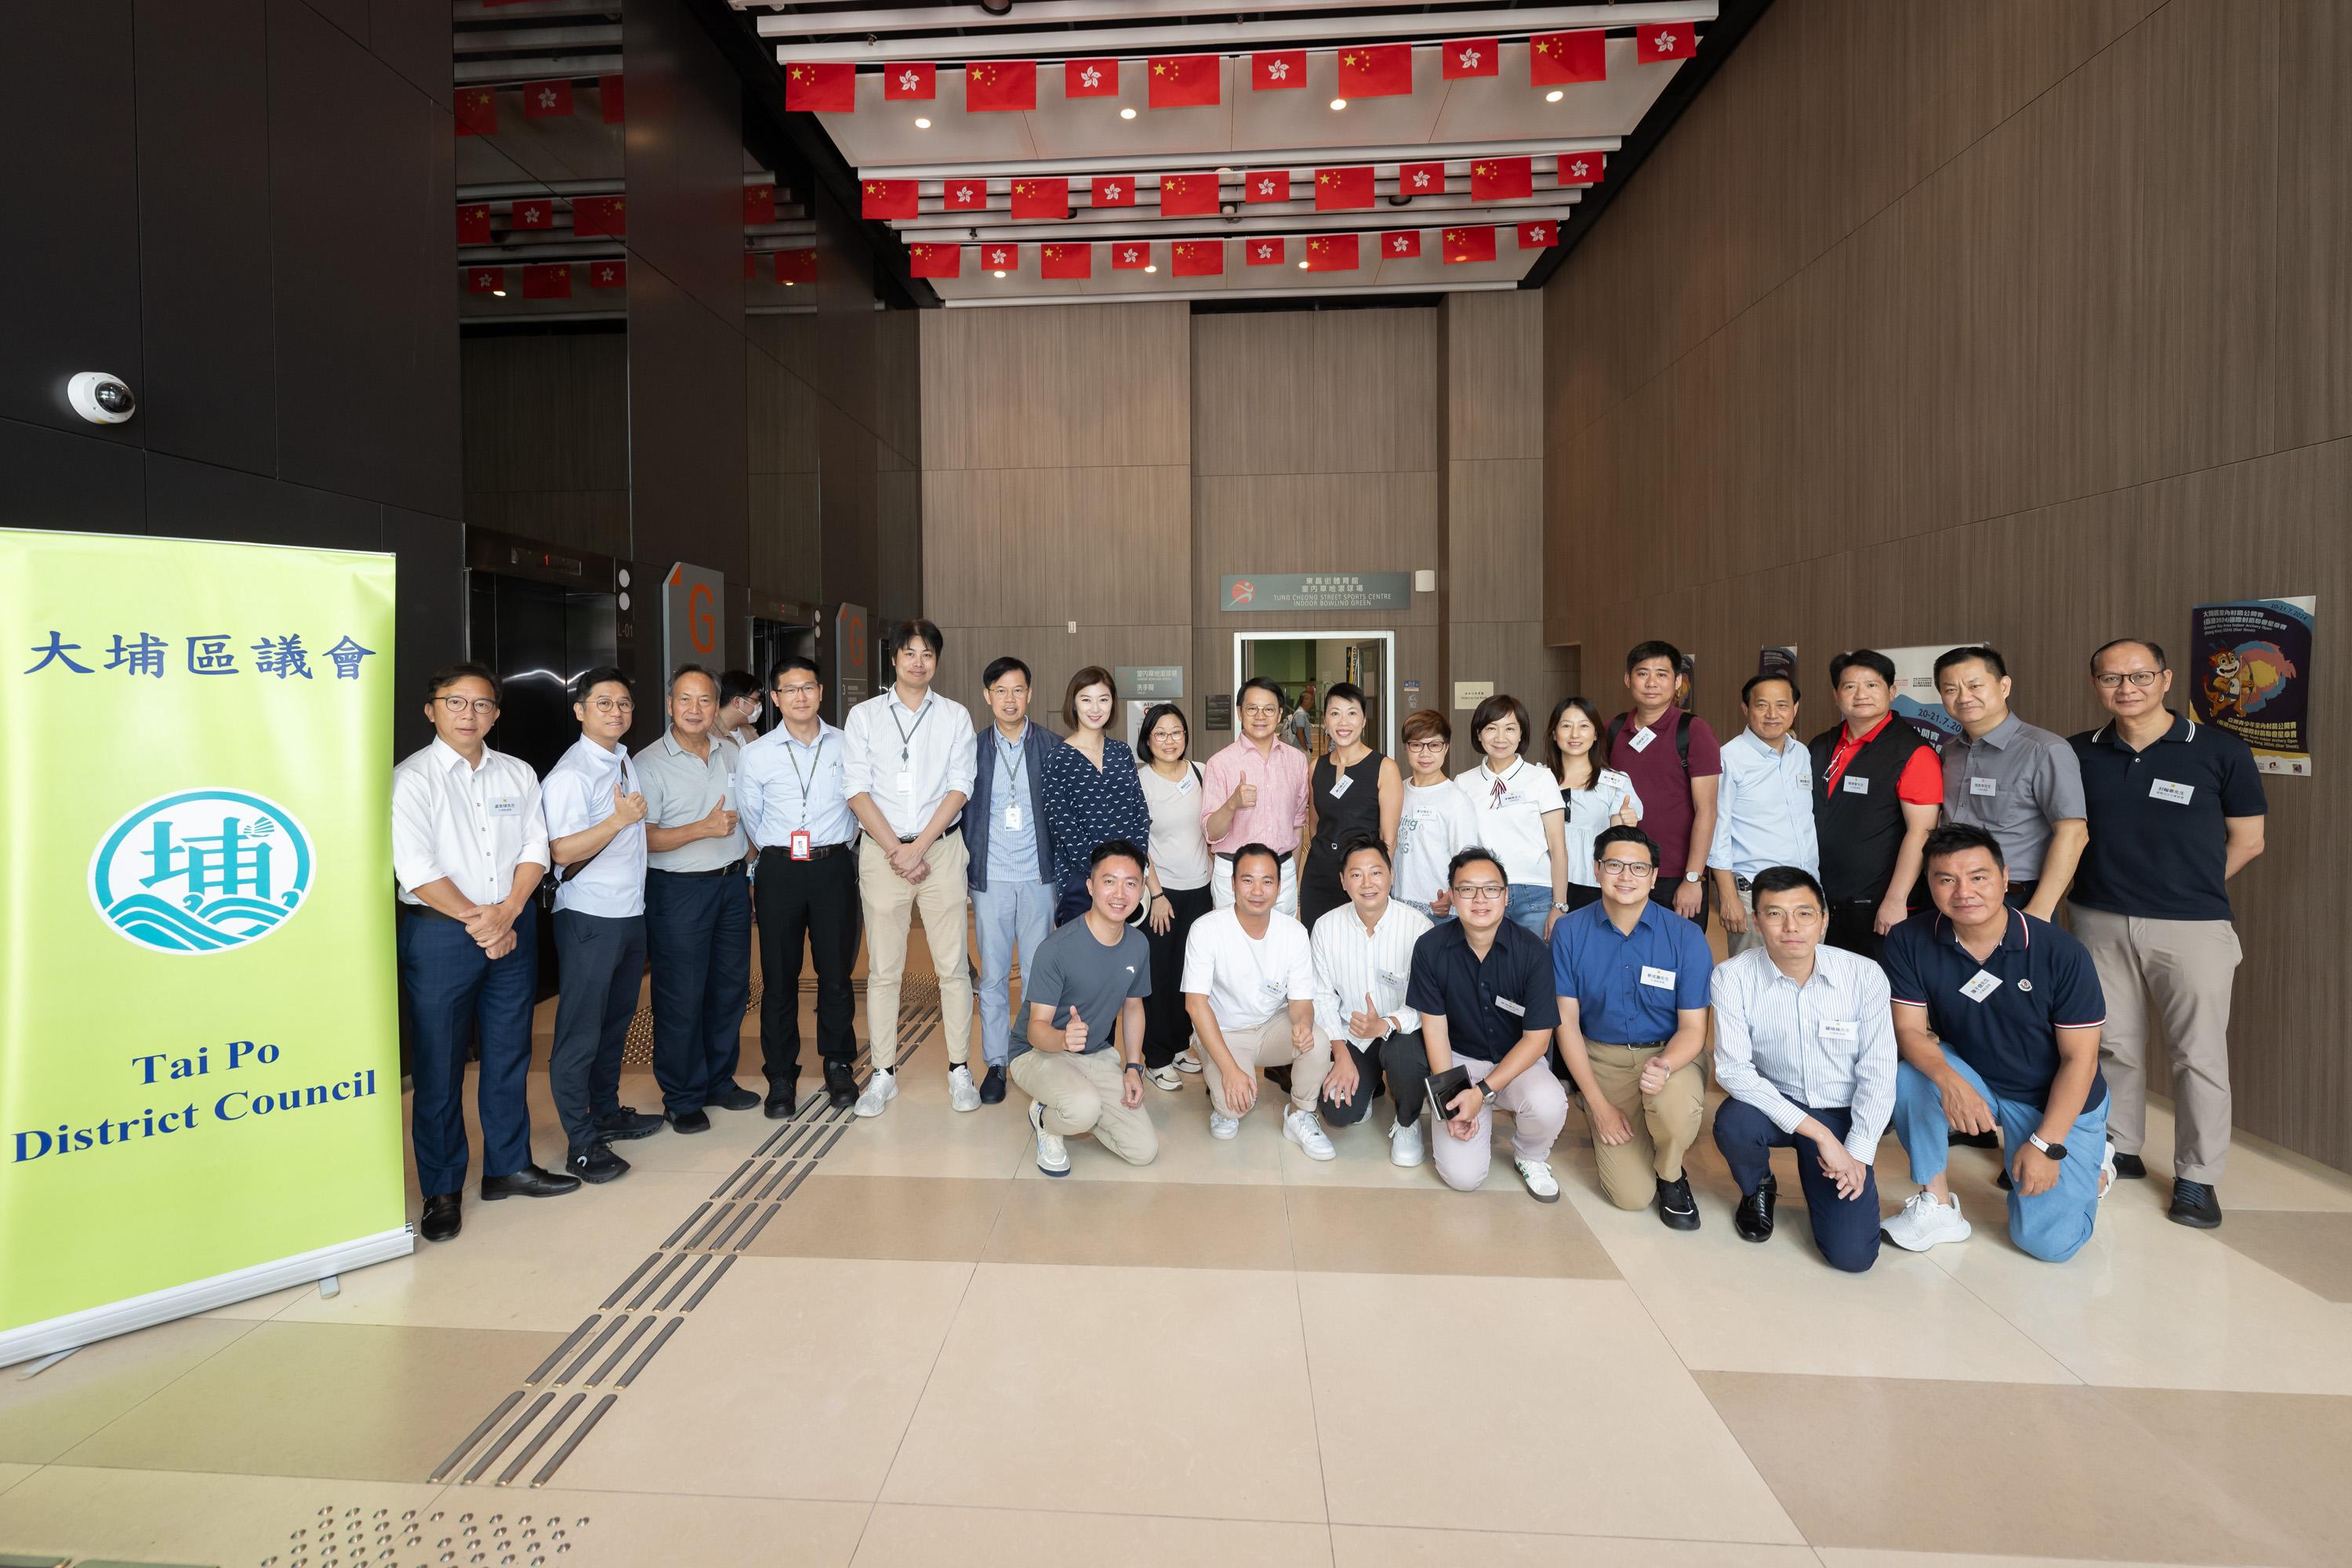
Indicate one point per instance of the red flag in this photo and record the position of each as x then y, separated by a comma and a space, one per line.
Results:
796, 265
1332, 253
1034, 198
1114, 191
1472, 56
1469, 244
1181, 81
1336, 189
1090, 79
759, 205
1002, 257
888, 198
1188, 196
1664, 41
1500, 179
1130, 255
910, 80
1066, 260
1265, 252
1000, 85
478, 112
1421, 179
1554, 58
1376, 70
538, 214
821, 87
550, 280
474, 224
546, 100
1402, 244
1536, 236
1582, 168
608, 275
611, 99
1278, 68
598, 214
964, 195
1267, 185
486, 279
1197, 257
935, 260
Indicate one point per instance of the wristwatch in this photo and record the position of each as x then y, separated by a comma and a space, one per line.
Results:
2056, 1150
1132, 1067
1487, 1089
1694, 876
1561, 908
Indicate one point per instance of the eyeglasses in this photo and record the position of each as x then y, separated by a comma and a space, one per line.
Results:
1430, 744
485, 706
1481, 891
799, 689
1629, 868
607, 705
2108, 679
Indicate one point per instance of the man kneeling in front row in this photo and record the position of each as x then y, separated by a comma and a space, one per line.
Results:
1086, 977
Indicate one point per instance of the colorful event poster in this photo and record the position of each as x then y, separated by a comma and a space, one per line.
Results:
199, 1053
2249, 673
1781, 660
1916, 701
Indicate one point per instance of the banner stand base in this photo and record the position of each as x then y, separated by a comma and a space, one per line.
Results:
77, 1328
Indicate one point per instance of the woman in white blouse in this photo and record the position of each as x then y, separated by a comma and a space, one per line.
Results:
1172, 788
1598, 796
1436, 820
1519, 811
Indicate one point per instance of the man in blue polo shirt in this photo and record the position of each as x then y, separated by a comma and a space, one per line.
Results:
1632, 977
1996, 1018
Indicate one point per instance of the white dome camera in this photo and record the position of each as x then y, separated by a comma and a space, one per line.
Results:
100, 398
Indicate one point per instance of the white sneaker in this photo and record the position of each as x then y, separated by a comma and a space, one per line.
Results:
1404, 1145
1222, 1126
1052, 1154
880, 1091
1188, 1060
962, 1093
1924, 1223
1301, 1128
1166, 1078
2106, 1172
1542, 1185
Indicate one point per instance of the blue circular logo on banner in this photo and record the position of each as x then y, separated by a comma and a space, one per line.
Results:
201, 871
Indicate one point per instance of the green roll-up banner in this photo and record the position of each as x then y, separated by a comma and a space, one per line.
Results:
199, 1051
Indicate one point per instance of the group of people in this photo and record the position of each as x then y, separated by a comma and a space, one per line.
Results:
1524, 936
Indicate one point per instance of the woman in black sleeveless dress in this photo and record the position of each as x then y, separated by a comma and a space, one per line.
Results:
1352, 790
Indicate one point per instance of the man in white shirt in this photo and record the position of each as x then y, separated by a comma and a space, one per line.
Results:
596, 831
1804, 1046
1249, 987
1363, 963
1763, 805
910, 754
468, 849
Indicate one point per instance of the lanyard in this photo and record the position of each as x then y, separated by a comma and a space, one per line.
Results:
791, 755
1011, 775
906, 732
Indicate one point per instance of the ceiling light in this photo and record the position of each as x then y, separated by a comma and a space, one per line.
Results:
1338, 103
997, 7
1302, 266
1554, 96
999, 272
1151, 267
922, 124
1126, 114
498, 293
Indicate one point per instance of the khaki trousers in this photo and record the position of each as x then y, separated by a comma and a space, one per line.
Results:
2185, 969
1736, 943
1082, 1094
1268, 1046
890, 902
1665, 1124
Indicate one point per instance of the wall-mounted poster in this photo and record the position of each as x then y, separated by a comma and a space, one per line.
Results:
1917, 699
1777, 661
2249, 673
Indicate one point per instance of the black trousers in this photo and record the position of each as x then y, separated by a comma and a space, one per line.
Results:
1398, 1066
1851, 920
1167, 1028
699, 936
812, 901
602, 961
2022, 893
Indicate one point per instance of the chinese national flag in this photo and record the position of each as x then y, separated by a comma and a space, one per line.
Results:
1469, 244
1536, 236
1664, 41
964, 195
903, 81
1267, 185
888, 198
821, 87
1500, 179
474, 224
1188, 196
486, 279
611, 99
546, 100
1278, 68
1472, 56
796, 265
1376, 70
1421, 179
1332, 253
608, 275
1181, 81
1336, 189
1265, 252
936, 260
478, 112
599, 215
551, 280
1130, 255
1113, 191
1090, 79
1198, 258
1034, 198
1402, 244
1556, 58
1582, 168
1000, 85
1066, 260
1002, 257
759, 205
539, 214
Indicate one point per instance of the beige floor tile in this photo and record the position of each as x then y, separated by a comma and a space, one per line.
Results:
2054, 1451
1498, 1230
1187, 1153
1551, 1353
1164, 1390
1364, 1546
1165, 1225
929, 1537
2261, 1175
261, 1309
163, 1516
1879, 1557
11, 1474
2282, 1455
794, 1378
1362, 1158
2315, 1250
357, 1401
634, 1531
43, 1417
939, 1219
917, 1139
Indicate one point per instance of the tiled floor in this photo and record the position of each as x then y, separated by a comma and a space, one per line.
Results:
928, 1353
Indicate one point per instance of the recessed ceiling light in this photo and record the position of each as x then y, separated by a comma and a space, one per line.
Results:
498, 293
922, 124
1338, 103
1302, 266
999, 272
788, 282
1554, 96
1151, 267
1126, 114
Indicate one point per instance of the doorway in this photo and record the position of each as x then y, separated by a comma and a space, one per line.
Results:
1307, 664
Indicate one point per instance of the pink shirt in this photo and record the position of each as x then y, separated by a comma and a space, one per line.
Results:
1281, 808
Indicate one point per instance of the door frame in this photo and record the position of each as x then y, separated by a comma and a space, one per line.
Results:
1387, 693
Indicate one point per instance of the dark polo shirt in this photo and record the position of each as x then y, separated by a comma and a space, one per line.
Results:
2158, 820
2007, 1031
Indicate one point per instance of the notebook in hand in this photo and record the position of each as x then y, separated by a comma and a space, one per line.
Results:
1443, 1087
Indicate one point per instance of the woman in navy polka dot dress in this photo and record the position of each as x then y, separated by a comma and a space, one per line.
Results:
1092, 795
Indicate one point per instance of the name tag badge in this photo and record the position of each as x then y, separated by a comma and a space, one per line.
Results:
1513, 1008
1013, 817
2165, 789
506, 805
1664, 979
1854, 785
1983, 985
1184, 784
1339, 785
799, 844
1272, 987
1980, 787
1642, 739
1840, 1029
905, 781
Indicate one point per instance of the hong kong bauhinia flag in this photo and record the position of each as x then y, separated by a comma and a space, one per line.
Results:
1278, 68
1664, 41
1402, 244
1556, 59
1269, 252
1184, 81
1267, 185
964, 195
608, 275
1112, 191
1536, 236
1582, 168
1001, 257
910, 81
1009, 85
1472, 56
536, 213
1421, 179
1340, 189
1130, 255
1090, 79
546, 100
821, 87
486, 279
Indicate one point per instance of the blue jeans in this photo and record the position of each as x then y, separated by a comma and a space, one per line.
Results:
1006, 914
457, 995
1529, 905
1845, 1229
699, 936
2051, 1227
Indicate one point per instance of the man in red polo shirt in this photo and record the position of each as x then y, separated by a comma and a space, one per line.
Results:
1878, 787
1676, 765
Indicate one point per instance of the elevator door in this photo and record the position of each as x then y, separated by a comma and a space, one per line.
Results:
538, 637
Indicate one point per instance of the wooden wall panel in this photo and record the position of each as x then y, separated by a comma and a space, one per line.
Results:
1012, 547
1056, 386
1315, 392
1313, 522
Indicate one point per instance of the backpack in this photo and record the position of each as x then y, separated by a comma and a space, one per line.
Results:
1682, 737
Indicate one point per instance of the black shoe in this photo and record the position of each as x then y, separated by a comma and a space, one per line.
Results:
734, 1097
1677, 1210
1973, 1141
840, 1087
2130, 1167
783, 1098
992, 1087
531, 1182
1753, 1218
623, 1122
440, 1221
596, 1163
690, 1121
2194, 1203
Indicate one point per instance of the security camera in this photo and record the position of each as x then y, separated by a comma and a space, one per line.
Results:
100, 398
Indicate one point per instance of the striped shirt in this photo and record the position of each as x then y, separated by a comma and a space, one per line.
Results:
1351, 963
